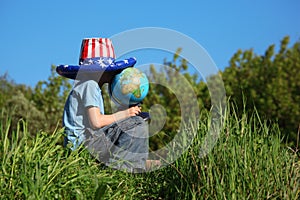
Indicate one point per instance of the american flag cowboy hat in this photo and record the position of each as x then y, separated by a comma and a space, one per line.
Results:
96, 56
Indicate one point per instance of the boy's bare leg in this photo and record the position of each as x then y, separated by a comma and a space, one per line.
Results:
152, 164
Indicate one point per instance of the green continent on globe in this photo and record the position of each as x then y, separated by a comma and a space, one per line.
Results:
130, 82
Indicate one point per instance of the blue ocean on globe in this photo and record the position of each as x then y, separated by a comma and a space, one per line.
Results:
129, 87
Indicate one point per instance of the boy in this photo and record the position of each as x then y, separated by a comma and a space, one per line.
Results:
120, 140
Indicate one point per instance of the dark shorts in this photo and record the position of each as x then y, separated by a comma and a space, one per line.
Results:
121, 145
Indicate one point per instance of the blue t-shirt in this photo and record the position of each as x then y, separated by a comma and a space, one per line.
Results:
75, 119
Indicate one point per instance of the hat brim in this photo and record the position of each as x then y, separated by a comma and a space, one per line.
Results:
71, 71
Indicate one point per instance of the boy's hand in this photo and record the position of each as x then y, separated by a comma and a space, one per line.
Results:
133, 111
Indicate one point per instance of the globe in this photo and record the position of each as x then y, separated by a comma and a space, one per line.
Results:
129, 87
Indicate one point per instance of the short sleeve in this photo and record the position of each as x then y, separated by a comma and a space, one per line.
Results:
91, 95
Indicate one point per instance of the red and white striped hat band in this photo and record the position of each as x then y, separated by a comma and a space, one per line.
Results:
96, 48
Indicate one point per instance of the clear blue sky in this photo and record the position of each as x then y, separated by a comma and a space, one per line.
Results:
36, 34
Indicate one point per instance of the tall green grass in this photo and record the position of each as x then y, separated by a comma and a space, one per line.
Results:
248, 161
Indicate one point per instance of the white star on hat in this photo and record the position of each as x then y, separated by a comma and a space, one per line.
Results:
110, 60
101, 63
90, 61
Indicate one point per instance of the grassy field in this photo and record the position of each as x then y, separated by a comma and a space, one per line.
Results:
249, 161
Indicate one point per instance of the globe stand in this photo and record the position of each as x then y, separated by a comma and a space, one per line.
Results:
145, 116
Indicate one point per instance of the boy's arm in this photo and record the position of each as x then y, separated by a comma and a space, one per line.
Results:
98, 120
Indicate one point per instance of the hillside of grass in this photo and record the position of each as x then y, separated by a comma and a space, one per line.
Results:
247, 162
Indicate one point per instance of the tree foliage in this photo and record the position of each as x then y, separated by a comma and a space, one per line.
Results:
174, 96
41, 107
269, 83
50, 96
16, 104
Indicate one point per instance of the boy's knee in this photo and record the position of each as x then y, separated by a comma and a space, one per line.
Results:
139, 120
